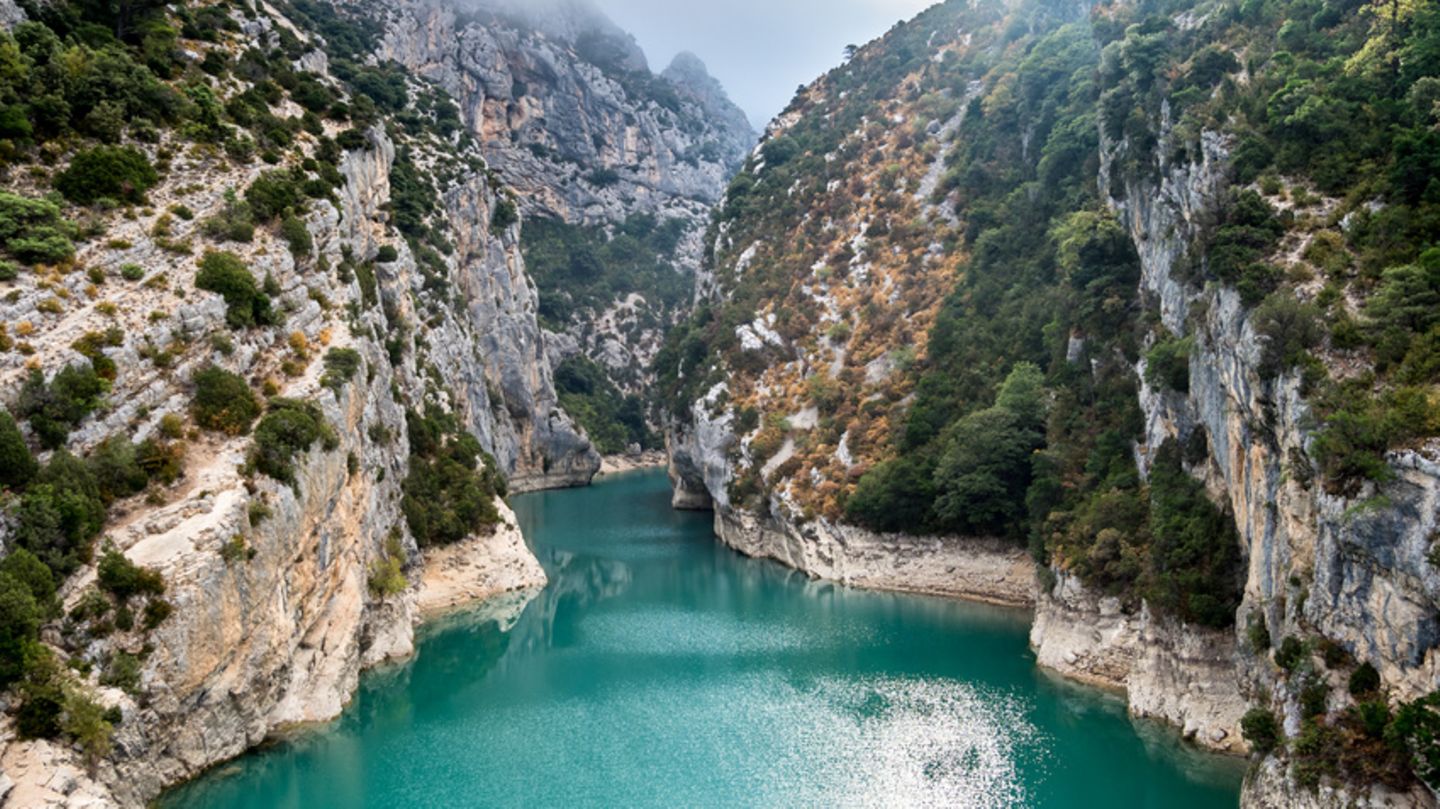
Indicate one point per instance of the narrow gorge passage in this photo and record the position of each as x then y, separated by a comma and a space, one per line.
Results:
660, 669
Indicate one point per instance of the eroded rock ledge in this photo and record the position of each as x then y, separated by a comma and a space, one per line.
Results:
1180, 674
478, 569
973, 569
498, 571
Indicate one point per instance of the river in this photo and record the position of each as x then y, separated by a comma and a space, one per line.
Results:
661, 669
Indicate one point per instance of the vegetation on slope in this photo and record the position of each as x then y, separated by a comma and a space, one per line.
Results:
612, 419
582, 269
99, 106
1327, 238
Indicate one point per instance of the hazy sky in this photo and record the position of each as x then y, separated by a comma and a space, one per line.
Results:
761, 50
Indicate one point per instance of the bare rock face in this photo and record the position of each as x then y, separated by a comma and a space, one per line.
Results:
1351, 569
479, 569
1179, 674
1270, 786
275, 616
11, 14
978, 570
690, 76
490, 351
567, 111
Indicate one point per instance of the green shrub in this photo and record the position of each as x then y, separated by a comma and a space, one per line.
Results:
369, 286
42, 696
1312, 698
603, 177
1291, 652
1416, 729
1333, 654
506, 213
20, 619
26, 568
56, 408
132, 272
1260, 729
84, 720
340, 367
297, 236
163, 461
33, 231
257, 512
122, 672
156, 611
387, 574
17, 465
224, 273
107, 172
895, 495
1167, 366
1364, 680
223, 402
124, 579
1358, 427
1290, 330
235, 550
60, 514
233, 223
1259, 635
1195, 565
1249, 231
387, 253
985, 468
273, 193
288, 428
449, 492
115, 465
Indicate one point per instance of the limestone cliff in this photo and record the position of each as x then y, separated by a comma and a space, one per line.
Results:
567, 110
273, 584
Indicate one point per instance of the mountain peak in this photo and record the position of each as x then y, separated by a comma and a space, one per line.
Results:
576, 22
686, 66
689, 75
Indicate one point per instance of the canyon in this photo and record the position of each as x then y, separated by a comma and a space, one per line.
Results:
968, 321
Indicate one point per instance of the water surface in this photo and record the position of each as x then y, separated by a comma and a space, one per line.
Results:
659, 669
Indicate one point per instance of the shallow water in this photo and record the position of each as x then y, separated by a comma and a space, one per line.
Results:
659, 669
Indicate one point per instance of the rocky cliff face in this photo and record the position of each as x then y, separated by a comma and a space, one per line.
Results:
796, 404
567, 111
276, 611
489, 352
559, 104
1353, 569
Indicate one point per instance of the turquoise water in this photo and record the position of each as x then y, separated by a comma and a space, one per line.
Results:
659, 669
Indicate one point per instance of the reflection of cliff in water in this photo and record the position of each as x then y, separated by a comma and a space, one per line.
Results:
577, 582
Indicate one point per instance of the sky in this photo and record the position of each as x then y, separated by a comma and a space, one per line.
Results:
761, 50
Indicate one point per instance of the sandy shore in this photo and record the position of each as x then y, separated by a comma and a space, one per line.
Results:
615, 464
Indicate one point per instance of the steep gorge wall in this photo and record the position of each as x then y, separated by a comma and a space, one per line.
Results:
1354, 570
279, 633
567, 111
